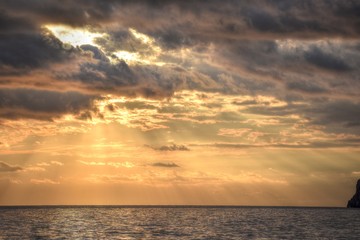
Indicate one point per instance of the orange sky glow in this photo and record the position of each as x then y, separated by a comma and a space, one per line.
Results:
177, 106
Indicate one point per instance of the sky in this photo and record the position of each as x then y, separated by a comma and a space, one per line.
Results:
179, 102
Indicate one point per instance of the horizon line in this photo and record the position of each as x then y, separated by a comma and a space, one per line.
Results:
158, 206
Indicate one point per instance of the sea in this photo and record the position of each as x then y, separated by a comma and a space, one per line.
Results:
178, 222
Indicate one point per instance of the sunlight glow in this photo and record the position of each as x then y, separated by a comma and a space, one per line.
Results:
142, 37
73, 36
80, 36
128, 56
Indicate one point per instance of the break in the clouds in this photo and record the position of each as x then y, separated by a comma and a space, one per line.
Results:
92, 82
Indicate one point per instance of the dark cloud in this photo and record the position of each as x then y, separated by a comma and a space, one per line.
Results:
117, 77
279, 17
306, 87
97, 53
9, 24
165, 165
335, 114
342, 112
4, 167
38, 104
301, 67
34, 50
25, 46
256, 52
326, 61
262, 20
121, 79
267, 18
172, 39
245, 102
77, 13
300, 18
244, 19
104, 75
172, 147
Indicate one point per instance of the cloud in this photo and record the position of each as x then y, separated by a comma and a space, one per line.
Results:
301, 53
112, 164
165, 165
104, 75
292, 66
244, 19
97, 53
44, 181
172, 147
327, 61
29, 50
40, 104
73, 13
336, 112
133, 80
11, 24
131, 105
305, 87
233, 132
47, 164
4, 167
245, 42
256, 19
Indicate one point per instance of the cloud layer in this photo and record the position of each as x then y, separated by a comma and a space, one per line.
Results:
228, 70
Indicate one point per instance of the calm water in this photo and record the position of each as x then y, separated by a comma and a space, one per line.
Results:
178, 223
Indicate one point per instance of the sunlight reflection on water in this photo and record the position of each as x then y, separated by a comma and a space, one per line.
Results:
178, 223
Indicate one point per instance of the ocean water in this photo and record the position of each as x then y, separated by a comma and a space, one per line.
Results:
113, 222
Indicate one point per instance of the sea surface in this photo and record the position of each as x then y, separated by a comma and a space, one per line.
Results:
115, 222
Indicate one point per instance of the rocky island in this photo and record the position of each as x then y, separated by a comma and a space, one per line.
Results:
354, 202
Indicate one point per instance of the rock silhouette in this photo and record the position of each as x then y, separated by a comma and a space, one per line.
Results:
354, 202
